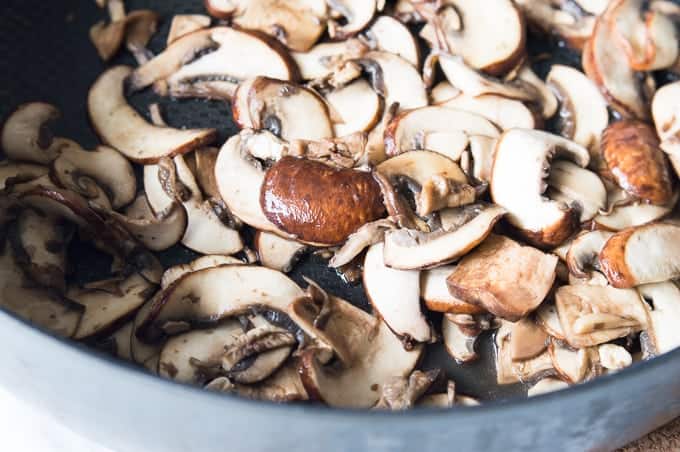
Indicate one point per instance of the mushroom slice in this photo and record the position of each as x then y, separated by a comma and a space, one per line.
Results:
120, 342
546, 98
529, 152
583, 254
121, 127
605, 63
408, 249
614, 357
289, 111
571, 365
642, 255
284, 386
36, 305
184, 24
667, 121
395, 295
583, 110
593, 315
39, 244
367, 235
215, 293
396, 79
412, 129
26, 135
635, 161
624, 212
344, 101
323, 59
105, 307
528, 340
664, 313
357, 14
173, 274
468, 36
76, 170
561, 18
388, 34
509, 371
576, 186
319, 204
211, 63
402, 393
11, 172
459, 341
107, 38
375, 356
276, 252
485, 279
435, 293
549, 320
474, 83
547, 385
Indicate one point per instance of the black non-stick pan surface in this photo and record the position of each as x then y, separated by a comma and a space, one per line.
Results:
46, 55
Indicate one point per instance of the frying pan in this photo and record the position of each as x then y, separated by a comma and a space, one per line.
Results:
46, 56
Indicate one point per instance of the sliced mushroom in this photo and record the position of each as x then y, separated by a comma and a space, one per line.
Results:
11, 172
571, 365
561, 18
408, 249
107, 38
120, 342
459, 341
367, 235
632, 154
174, 273
583, 255
395, 295
547, 385
323, 59
344, 103
664, 313
528, 340
624, 212
614, 357
204, 160
77, 170
276, 252
211, 63
468, 33
388, 34
121, 127
547, 318
642, 255
667, 121
184, 24
26, 135
529, 152
397, 79
577, 187
402, 393
583, 112
592, 315
435, 293
547, 101
141, 26
319, 204
215, 293
508, 371
289, 111
414, 129
485, 279
357, 14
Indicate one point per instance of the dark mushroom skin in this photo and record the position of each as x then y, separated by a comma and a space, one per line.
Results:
317, 203
631, 151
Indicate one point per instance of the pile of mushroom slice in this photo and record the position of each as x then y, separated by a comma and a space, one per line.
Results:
534, 210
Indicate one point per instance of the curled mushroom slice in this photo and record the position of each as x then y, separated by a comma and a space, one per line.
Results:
321, 60
317, 203
408, 249
344, 103
26, 135
485, 279
77, 169
664, 312
577, 187
583, 112
547, 385
561, 18
642, 255
215, 293
528, 340
375, 355
108, 304
276, 252
289, 111
357, 14
435, 293
509, 371
583, 254
635, 161
592, 315
367, 235
614, 357
467, 34
211, 63
174, 273
402, 393
395, 295
121, 127
459, 340
414, 129
184, 24
529, 152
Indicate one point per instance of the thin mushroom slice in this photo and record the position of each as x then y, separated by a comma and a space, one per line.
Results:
215, 293
11, 172
548, 319
398, 80
26, 135
323, 59
468, 34
402, 393
509, 371
121, 127
528, 340
287, 110
583, 255
560, 18
624, 212
583, 114
459, 341
357, 14
367, 235
120, 342
642, 255
664, 312
547, 100
388, 34
485, 278
343, 101
592, 315
174, 273
571, 365
184, 24
614, 357
435, 293
284, 386
542, 221
667, 121
105, 307
395, 295
408, 249
278, 253
579, 187
547, 385
211, 63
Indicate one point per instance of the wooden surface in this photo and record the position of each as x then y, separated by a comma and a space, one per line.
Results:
666, 439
